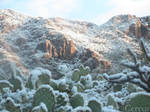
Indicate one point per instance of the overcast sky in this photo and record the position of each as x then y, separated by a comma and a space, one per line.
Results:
97, 11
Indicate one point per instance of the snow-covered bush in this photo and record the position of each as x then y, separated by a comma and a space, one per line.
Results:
140, 74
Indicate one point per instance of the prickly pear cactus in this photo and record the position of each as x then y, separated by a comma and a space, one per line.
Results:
29, 83
95, 83
86, 81
138, 102
95, 106
117, 87
111, 101
84, 70
131, 88
61, 99
63, 87
43, 79
99, 77
79, 72
76, 100
38, 76
82, 109
44, 94
53, 84
65, 109
41, 108
70, 86
5, 84
17, 83
76, 75
80, 87
11, 106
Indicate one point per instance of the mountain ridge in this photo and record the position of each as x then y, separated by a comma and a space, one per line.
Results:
37, 42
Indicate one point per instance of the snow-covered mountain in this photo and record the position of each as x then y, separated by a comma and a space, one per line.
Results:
60, 45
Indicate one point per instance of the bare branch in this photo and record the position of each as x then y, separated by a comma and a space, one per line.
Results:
145, 50
133, 55
141, 84
134, 67
140, 75
121, 78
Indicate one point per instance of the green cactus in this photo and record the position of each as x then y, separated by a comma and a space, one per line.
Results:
131, 88
17, 82
84, 71
41, 108
63, 87
95, 83
117, 87
70, 86
76, 100
44, 94
29, 83
86, 81
111, 101
27, 109
43, 79
99, 77
76, 75
64, 109
11, 106
80, 87
38, 76
61, 110
5, 84
82, 109
53, 84
95, 106
61, 99
138, 103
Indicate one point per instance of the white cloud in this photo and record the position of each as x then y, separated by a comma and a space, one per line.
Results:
50, 8
134, 7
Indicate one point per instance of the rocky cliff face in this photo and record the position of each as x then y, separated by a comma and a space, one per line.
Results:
59, 48
37, 42
132, 25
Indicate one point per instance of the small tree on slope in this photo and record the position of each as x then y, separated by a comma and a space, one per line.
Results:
140, 74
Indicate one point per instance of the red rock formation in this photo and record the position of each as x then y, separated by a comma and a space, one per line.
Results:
61, 48
132, 25
138, 29
93, 60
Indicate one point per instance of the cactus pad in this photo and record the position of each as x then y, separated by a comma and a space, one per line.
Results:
138, 102
76, 75
45, 94
76, 100
111, 101
95, 106
11, 106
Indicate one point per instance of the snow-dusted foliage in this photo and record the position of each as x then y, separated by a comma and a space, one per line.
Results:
78, 92
140, 74
41, 93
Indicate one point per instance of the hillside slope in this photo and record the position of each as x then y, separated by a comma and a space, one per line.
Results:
61, 45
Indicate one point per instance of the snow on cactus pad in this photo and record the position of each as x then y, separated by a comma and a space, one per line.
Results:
77, 100
37, 77
138, 103
44, 94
